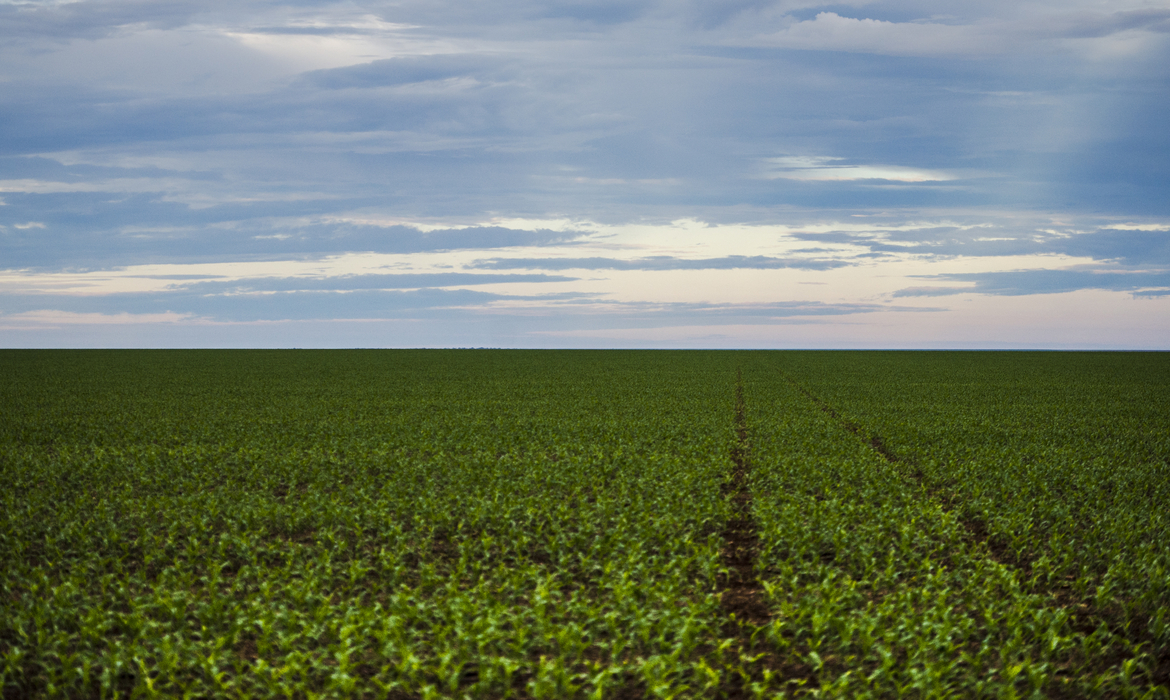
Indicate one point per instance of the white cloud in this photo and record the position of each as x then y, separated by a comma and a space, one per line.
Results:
54, 318
829, 31
1096, 34
1139, 227
31, 224
335, 42
32, 186
822, 168
195, 194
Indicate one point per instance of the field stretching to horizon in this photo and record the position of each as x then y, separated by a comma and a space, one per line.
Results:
584, 524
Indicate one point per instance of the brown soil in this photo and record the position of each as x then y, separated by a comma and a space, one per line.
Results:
743, 597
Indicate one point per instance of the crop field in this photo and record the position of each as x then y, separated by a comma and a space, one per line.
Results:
584, 524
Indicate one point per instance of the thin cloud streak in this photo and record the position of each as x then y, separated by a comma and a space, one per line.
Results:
664, 262
1028, 282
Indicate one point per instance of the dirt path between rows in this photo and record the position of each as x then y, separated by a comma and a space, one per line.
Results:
743, 597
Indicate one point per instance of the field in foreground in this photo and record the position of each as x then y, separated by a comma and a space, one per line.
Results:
611, 524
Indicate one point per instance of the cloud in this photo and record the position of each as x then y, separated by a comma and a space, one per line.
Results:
30, 186
660, 262
362, 282
635, 313
1137, 245
174, 234
1025, 282
403, 70
823, 168
1139, 227
1127, 244
980, 36
468, 140
56, 318
90, 20
936, 240
322, 47
559, 311
829, 31
263, 306
1092, 25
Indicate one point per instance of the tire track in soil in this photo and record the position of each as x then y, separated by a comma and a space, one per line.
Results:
1086, 616
977, 532
743, 598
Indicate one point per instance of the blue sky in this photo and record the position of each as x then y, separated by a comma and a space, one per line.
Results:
585, 174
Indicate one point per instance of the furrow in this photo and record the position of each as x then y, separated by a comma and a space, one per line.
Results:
743, 598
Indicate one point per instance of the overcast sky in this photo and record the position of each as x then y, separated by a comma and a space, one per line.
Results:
589, 173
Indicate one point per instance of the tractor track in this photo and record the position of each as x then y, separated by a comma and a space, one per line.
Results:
1087, 616
742, 597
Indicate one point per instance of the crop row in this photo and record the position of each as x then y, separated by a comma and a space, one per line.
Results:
879, 589
1060, 462
416, 524
420, 526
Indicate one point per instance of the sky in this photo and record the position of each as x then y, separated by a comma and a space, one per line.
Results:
585, 173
